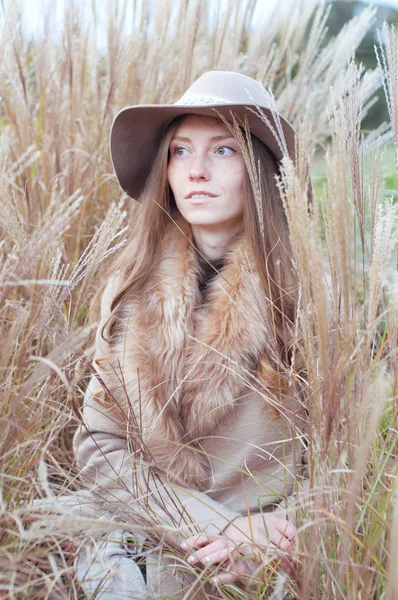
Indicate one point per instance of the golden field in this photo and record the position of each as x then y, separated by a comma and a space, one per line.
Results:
62, 215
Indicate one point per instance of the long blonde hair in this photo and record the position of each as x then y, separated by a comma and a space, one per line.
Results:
264, 223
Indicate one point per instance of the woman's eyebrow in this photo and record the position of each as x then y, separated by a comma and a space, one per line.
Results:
215, 138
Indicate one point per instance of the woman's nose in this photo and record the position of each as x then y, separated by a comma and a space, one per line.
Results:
199, 170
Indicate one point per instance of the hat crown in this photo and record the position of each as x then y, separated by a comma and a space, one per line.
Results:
225, 87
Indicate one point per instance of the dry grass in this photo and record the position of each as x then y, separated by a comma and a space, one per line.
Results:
62, 214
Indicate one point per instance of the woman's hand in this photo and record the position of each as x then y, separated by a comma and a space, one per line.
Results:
264, 530
267, 532
217, 549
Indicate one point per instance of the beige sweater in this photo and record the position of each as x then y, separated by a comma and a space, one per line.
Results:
232, 450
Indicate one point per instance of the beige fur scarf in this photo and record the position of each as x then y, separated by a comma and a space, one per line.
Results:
179, 364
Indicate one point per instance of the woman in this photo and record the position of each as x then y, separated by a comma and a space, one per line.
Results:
192, 429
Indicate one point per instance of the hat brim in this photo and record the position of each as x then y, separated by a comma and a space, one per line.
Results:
136, 132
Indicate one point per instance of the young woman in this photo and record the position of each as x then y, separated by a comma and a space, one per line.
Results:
192, 431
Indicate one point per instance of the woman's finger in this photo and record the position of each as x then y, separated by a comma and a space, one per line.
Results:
283, 543
286, 562
287, 529
197, 541
283, 535
289, 565
202, 553
225, 578
219, 556
238, 572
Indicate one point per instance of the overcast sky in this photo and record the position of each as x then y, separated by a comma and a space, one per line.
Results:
33, 11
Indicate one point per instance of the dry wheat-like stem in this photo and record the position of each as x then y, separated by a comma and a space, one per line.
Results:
347, 358
387, 58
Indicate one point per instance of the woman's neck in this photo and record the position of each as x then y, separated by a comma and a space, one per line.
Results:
213, 242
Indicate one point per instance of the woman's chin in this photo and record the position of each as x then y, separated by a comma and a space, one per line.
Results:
202, 220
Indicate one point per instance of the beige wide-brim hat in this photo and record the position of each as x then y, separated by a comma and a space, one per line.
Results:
136, 130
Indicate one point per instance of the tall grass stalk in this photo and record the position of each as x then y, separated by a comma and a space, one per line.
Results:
62, 215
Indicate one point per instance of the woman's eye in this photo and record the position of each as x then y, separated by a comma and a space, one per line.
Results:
179, 151
225, 151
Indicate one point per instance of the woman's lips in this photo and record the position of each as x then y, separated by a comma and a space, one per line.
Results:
199, 198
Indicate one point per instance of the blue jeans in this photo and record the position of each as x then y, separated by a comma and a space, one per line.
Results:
108, 568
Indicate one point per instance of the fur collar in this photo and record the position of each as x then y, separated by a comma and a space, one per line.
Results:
183, 363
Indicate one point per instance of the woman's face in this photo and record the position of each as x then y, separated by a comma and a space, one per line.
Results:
206, 173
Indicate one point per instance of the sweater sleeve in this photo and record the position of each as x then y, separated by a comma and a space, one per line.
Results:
125, 484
